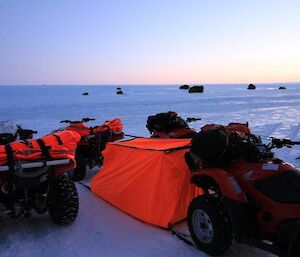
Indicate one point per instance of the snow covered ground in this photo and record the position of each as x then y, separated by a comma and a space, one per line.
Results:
101, 229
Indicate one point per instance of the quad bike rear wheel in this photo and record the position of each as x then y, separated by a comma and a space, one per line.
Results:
79, 172
209, 225
63, 200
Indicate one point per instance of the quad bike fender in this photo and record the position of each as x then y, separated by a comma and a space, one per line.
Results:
218, 177
241, 216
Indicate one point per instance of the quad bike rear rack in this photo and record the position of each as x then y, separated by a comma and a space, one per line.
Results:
36, 164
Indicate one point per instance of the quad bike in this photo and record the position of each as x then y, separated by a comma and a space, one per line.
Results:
170, 125
32, 178
11, 131
248, 193
92, 143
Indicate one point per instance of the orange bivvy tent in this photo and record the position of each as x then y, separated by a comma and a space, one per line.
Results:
147, 178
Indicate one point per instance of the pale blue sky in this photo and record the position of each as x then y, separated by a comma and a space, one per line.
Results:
139, 42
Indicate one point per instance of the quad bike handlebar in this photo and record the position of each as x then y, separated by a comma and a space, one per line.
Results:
77, 121
87, 119
25, 133
275, 142
279, 143
30, 131
21, 130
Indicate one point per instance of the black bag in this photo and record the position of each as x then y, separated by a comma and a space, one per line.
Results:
211, 146
165, 122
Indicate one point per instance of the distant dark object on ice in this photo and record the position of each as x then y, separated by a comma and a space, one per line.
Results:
196, 89
251, 86
282, 87
118, 88
120, 92
184, 87
85, 93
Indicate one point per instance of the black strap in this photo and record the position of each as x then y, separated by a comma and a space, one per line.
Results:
60, 142
181, 237
10, 157
45, 149
92, 130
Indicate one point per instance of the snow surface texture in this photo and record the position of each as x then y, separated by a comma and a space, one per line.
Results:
101, 229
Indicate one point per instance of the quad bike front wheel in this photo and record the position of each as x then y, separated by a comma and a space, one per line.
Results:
79, 172
63, 200
209, 225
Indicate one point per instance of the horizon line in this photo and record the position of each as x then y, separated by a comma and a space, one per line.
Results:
150, 84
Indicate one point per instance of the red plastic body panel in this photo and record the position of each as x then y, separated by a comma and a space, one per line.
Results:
246, 174
227, 183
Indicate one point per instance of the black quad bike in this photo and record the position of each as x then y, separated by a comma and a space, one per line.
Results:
36, 185
92, 143
248, 194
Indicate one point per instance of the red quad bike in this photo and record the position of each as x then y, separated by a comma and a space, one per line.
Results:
38, 184
92, 143
170, 125
248, 193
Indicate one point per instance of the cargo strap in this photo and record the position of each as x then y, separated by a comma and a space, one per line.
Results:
44, 148
128, 135
10, 157
60, 142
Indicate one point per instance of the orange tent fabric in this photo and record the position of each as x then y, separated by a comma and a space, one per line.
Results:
147, 178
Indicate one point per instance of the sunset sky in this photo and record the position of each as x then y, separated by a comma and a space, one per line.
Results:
149, 42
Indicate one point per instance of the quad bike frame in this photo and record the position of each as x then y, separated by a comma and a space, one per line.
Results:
40, 186
90, 147
255, 219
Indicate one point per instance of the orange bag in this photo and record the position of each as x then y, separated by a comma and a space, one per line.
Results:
58, 145
114, 125
239, 128
147, 178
